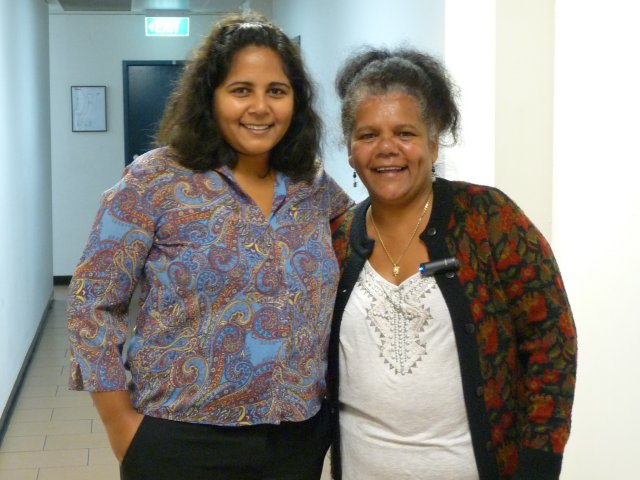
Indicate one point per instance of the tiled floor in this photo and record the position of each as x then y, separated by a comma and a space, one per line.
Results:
54, 433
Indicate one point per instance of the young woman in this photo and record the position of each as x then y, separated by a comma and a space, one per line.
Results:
225, 227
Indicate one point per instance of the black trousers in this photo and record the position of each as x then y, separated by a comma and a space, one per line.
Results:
168, 450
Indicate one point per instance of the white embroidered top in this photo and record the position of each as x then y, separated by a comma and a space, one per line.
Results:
402, 409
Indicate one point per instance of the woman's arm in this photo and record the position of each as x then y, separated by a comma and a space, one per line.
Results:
98, 304
103, 283
546, 340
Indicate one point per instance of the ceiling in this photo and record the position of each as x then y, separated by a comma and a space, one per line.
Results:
138, 7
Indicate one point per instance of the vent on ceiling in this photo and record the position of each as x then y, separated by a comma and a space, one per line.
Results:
96, 5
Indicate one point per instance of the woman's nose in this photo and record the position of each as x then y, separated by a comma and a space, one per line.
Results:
259, 104
387, 146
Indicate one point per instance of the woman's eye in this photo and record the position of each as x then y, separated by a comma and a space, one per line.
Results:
366, 136
277, 91
240, 91
406, 134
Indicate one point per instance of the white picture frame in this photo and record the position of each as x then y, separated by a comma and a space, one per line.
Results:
89, 108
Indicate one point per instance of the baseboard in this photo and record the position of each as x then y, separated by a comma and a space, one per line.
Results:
61, 279
8, 409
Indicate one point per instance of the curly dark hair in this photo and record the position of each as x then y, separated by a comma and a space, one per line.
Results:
189, 122
375, 71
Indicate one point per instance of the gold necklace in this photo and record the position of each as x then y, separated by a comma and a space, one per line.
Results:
396, 264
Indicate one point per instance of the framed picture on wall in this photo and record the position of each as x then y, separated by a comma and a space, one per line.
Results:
88, 109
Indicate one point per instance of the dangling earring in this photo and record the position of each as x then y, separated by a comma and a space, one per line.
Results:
355, 179
433, 172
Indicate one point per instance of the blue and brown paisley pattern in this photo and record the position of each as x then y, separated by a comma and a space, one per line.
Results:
234, 307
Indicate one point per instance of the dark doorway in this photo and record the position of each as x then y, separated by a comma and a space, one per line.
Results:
146, 86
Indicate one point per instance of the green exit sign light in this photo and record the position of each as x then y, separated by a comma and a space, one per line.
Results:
166, 26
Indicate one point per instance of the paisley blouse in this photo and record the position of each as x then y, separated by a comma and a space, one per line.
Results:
234, 307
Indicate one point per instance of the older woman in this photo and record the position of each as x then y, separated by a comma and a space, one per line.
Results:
453, 352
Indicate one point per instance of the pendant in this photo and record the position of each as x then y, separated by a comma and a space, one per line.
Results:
395, 270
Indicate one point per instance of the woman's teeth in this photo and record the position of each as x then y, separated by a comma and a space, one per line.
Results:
256, 127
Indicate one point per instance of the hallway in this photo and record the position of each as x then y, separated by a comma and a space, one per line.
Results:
54, 433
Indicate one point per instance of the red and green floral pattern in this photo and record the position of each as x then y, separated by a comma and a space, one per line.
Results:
524, 328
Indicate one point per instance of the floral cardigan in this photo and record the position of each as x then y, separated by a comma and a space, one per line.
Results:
512, 322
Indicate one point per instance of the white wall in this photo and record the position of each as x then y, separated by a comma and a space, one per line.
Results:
25, 189
470, 58
89, 50
331, 29
596, 230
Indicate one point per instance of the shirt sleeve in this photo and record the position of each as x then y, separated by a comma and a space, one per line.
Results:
546, 337
103, 283
338, 200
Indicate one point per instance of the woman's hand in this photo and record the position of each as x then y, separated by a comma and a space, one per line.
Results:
120, 420
121, 433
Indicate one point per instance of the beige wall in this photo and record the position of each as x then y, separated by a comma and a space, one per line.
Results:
566, 151
524, 105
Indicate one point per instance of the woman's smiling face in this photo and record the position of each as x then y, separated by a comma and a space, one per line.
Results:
391, 148
253, 106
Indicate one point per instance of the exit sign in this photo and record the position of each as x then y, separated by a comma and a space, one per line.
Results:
166, 26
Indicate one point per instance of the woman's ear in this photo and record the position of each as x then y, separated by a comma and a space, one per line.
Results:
435, 147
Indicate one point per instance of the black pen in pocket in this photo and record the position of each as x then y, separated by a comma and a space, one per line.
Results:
428, 269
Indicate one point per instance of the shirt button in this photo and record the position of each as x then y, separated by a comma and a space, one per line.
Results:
431, 231
470, 328
450, 274
480, 391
